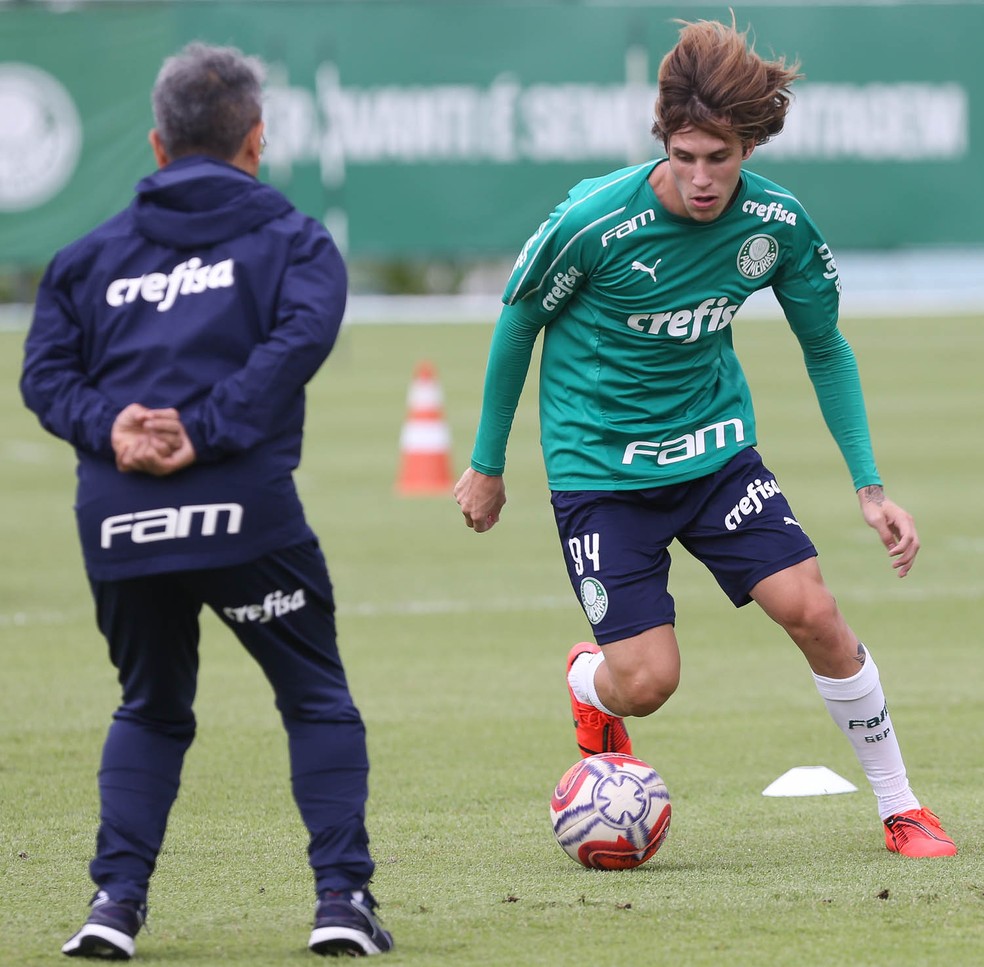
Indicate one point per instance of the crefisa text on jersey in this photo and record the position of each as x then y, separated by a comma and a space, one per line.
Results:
685, 323
773, 212
829, 265
186, 278
564, 284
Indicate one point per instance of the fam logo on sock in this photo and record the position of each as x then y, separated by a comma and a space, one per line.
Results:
873, 723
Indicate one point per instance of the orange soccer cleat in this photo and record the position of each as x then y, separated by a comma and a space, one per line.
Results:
596, 730
918, 833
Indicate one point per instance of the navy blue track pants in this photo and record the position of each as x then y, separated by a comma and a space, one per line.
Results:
281, 608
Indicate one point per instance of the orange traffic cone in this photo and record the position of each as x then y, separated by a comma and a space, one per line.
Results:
425, 440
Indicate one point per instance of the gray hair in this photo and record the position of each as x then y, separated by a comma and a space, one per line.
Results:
206, 99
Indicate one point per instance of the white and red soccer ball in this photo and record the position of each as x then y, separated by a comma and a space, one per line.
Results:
610, 811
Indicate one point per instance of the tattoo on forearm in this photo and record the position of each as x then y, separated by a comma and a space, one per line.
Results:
861, 655
873, 493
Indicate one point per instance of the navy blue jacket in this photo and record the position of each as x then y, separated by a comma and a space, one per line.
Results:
212, 294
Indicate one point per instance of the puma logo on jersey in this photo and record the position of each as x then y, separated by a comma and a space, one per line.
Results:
186, 278
651, 272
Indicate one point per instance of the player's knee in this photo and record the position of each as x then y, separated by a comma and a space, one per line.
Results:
812, 617
816, 622
643, 695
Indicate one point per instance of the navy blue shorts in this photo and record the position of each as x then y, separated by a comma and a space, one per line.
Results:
736, 522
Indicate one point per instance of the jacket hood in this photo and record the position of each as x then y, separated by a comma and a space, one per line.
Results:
202, 201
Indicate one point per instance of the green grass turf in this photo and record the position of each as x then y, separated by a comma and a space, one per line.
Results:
455, 646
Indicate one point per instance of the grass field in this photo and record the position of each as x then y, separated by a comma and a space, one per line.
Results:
455, 646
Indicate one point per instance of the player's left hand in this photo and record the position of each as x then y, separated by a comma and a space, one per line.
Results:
151, 441
895, 527
147, 456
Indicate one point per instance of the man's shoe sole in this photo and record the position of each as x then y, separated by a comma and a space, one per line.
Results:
98, 940
334, 941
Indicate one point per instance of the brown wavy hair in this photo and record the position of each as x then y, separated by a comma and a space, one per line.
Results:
713, 80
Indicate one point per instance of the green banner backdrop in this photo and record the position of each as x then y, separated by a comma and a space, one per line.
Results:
451, 128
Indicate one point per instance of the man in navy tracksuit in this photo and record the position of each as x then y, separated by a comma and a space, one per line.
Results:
171, 346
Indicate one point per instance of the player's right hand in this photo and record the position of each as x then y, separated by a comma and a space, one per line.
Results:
481, 499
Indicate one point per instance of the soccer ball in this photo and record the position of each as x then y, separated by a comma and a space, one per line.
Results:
610, 811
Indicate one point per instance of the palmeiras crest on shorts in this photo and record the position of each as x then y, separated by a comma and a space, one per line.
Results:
757, 255
594, 597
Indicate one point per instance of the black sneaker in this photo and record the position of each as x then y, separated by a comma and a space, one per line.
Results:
110, 929
344, 924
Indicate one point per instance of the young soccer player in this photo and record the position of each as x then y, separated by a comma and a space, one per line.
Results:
647, 426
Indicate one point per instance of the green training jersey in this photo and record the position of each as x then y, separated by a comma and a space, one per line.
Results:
640, 385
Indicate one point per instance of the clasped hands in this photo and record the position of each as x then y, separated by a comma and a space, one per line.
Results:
151, 441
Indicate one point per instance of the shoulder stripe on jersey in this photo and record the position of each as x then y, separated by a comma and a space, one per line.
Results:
780, 194
607, 184
560, 254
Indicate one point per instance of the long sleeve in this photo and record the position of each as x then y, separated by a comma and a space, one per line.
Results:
508, 366
54, 382
809, 295
248, 406
833, 371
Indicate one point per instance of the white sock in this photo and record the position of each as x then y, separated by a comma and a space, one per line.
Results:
581, 679
857, 705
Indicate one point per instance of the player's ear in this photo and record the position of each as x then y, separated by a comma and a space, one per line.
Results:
160, 153
746, 150
248, 156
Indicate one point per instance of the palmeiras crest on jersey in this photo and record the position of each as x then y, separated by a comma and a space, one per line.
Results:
594, 597
757, 255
